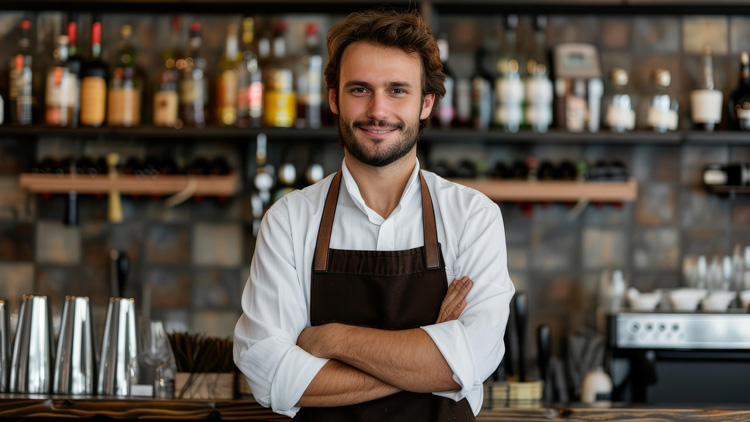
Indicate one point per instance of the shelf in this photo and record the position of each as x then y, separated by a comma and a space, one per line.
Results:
712, 138
128, 184
167, 133
552, 137
553, 191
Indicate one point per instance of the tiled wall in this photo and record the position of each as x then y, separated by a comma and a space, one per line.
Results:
193, 259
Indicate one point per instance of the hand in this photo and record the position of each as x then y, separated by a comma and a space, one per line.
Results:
454, 302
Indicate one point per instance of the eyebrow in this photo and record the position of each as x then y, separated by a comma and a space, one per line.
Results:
394, 84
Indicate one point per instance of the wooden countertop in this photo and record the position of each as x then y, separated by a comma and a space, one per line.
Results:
22, 406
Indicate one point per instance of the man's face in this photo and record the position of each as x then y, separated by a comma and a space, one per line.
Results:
379, 102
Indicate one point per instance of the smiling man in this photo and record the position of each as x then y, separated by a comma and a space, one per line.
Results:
348, 314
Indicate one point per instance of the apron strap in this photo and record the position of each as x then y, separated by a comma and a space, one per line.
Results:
432, 260
326, 225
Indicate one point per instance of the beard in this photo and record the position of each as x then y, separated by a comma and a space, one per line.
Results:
409, 135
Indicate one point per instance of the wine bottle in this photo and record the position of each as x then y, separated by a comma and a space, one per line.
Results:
227, 83
537, 85
280, 102
94, 81
166, 97
706, 102
58, 101
309, 81
620, 116
481, 92
193, 90
20, 96
739, 101
446, 111
124, 96
509, 93
75, 64
662, 112
250, 81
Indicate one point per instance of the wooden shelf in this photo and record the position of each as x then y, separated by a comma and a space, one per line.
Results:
551, 137
128, 184
165, 133
510, 190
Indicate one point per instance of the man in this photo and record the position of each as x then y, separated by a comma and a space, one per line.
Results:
348, 314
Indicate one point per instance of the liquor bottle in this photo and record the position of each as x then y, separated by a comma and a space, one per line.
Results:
739, 101
620, 115
309, 81
706, 103
193, 85
20, 94
280, 102
464, 102
287, 178
58, 101
481, 92
250, 81
165, 96
509, 93
537, 85
446, 110
735, 174
75, 64
94, 81
227, 83
662, 112
124, 96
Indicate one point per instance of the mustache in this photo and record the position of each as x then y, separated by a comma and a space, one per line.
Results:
378, 123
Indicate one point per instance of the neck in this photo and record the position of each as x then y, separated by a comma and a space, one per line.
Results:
382, 187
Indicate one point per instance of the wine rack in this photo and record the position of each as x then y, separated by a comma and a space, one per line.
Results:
225, 185
554, 191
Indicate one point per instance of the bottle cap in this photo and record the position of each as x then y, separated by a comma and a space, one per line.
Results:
619, 77
25, 24
662, 77
126, 30
311, 28
744, 58
195, 27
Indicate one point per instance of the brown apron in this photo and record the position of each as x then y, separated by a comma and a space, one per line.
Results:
393, 290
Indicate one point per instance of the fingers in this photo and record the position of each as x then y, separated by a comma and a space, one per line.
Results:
454, 302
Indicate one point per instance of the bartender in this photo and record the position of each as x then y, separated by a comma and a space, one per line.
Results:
348, 313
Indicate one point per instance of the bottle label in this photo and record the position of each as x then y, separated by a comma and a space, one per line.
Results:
706, 105
743, 114
73, 90
124, 107
662, 119
280, 109
618, 117
192, 92
509, 91
226, 97
463, 100
575, 114
539, 91
509, 115
93, 100
539, 115
165, 108
57, 96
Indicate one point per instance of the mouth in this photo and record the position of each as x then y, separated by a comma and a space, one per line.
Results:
377, 129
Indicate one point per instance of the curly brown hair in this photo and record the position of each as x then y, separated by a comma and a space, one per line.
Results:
389, 28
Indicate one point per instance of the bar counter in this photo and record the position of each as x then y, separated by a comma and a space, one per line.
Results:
22, 407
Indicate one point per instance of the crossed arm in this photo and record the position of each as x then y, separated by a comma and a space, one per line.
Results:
367, 363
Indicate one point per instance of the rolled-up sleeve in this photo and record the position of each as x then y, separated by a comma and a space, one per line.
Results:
274, 312
473, 345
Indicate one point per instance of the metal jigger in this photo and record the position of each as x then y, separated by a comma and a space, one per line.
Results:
118, 367
33, 348
75, 366
4, 346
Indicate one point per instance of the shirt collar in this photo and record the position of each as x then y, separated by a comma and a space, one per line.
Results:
356, 195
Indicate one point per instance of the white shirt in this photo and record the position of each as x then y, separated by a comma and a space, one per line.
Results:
276, 299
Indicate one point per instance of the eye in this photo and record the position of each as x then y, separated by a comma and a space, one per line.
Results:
358, 90
398, 91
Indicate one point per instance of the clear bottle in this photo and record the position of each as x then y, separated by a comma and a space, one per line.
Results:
280, 101
310, 81
620, 116
227, 83
249, 79
537, 85
75, 64
166, 98
94, 81
124, 96
509, 92
446, 110
193, 83
58, 101
662, 111
706, 102
482, 102
20, 96
739, 101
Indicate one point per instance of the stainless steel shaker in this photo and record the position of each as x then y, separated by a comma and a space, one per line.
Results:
75, 363
118, 367
33, 348
4, 346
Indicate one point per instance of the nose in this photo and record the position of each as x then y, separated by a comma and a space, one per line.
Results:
378, 107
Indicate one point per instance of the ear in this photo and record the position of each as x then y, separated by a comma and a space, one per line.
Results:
429, 101
333, 100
